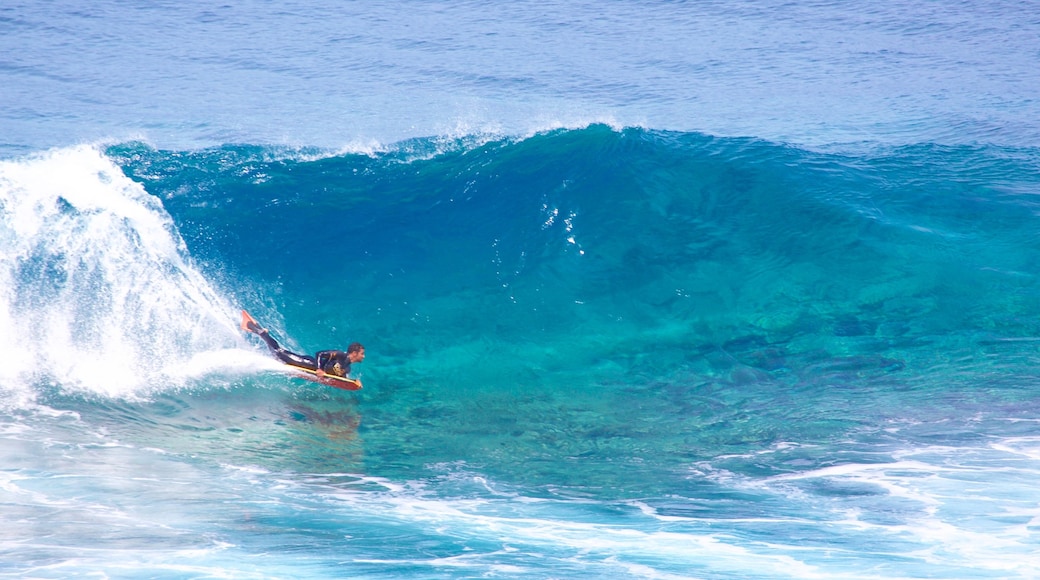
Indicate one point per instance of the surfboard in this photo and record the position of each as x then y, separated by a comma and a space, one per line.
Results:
331, 380
305, 373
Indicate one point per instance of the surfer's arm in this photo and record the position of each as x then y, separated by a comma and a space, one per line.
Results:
328, 357
323, 358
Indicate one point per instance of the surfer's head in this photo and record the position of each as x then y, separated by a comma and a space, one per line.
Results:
356, 352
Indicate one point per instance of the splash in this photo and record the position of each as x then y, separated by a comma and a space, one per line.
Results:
97, 291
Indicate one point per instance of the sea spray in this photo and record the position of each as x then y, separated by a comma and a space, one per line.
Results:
99, 292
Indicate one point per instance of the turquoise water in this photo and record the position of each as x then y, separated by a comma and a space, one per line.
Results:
613, 328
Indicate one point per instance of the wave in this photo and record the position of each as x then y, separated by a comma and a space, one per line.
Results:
596, 247
594, 220
606, 335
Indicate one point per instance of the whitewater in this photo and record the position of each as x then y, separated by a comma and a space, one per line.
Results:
648, 290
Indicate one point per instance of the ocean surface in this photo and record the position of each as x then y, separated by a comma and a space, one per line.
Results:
709, 290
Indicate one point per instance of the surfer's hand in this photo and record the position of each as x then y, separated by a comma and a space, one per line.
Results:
320, 373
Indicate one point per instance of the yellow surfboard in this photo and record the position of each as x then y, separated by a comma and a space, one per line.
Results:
327, 379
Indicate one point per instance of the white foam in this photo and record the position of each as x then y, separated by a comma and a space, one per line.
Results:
949, 501
97, 291
225, 362
618, 546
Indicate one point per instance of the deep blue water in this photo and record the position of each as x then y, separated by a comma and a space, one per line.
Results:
648, 290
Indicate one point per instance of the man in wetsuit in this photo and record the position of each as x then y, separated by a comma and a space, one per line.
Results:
333, 362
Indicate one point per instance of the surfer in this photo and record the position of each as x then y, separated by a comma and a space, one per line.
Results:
333, 362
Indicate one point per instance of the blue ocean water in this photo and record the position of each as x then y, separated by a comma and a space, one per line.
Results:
648, 290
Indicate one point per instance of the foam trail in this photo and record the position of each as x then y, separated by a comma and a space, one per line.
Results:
97, 291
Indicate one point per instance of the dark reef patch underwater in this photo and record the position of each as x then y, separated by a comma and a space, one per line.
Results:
731, 356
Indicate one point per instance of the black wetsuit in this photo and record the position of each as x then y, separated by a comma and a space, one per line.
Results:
334, 362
